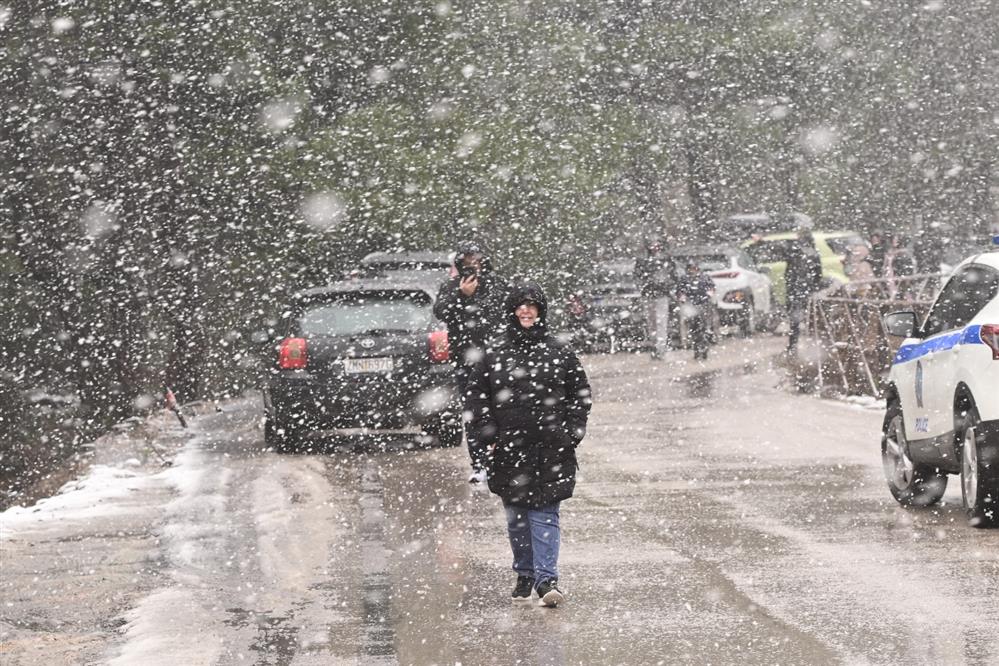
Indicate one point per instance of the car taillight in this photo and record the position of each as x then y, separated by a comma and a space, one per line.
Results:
440, 350
725, 275
293, 354
990, 336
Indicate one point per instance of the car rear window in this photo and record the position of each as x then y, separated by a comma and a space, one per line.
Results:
373, 312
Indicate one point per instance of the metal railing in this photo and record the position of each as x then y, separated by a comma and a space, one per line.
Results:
847, 323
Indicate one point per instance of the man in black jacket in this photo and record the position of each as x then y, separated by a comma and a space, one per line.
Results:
471, 306
529, 400
696, 292
802, 278
653, 273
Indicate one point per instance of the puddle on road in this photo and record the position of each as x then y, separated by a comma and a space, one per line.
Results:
706, 384
276, 636
377, 627
701, 385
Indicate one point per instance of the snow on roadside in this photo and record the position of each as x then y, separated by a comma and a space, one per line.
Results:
865, 402
175, 623
169, 627
191, 529
99, 493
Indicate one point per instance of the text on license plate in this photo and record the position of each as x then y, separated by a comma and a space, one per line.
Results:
359, 365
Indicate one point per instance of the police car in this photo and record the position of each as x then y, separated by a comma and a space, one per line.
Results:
943, 395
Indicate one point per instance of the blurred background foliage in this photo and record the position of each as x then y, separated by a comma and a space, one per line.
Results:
172, 170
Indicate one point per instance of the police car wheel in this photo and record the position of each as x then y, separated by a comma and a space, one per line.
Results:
910, 483
979, 490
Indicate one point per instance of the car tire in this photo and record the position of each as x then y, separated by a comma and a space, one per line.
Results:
910, 483
280, 437
979, 485
450, 431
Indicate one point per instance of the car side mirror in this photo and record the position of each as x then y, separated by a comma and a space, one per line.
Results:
901, 324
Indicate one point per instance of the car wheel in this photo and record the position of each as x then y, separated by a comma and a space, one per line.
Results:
979, 485
449, 431
280, 437
910, 483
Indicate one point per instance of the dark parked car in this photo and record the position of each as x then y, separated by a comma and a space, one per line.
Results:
362, 353
610, 310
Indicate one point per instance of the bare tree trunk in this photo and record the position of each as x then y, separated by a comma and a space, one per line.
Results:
702, 189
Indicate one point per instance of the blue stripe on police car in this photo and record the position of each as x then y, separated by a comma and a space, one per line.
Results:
969, 336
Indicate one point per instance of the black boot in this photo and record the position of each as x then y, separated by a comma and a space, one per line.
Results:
549, 595
522, 592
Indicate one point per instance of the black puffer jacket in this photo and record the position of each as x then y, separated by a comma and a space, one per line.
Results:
530, 398
803, 276
471, 320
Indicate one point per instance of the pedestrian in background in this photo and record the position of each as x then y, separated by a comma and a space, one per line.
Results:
470, 304
859, 270
696, 295
802, 278
879, 251
899, 264
529, 399
654, 275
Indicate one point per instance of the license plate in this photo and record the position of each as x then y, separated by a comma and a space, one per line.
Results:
353, 366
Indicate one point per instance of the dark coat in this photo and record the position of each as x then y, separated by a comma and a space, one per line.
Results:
654, 275
529, 396
696, 289
471, 320
803, 276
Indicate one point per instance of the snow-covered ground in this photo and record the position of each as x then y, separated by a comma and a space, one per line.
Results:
718, 519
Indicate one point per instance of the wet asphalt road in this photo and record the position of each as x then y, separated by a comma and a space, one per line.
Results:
718, 520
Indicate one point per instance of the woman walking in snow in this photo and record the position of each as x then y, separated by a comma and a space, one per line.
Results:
529, 399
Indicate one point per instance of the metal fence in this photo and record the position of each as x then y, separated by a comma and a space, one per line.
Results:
846, 322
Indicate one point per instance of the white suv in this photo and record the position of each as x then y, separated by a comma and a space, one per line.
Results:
943, 395
743, 292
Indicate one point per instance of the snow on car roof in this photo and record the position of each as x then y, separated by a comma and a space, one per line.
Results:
411, 283
425, 257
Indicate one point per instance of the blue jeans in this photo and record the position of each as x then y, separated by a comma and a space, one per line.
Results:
534, 539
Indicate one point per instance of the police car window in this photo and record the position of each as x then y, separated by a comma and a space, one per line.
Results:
962, 298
